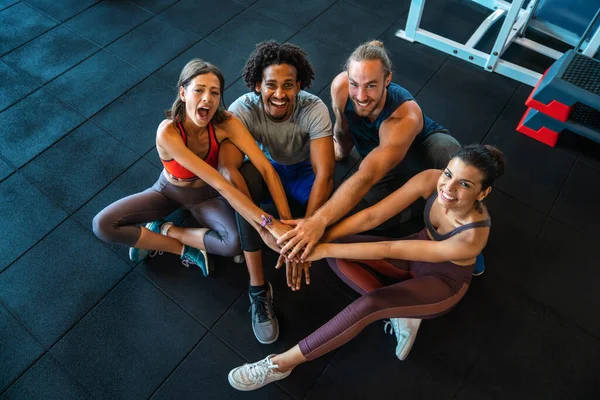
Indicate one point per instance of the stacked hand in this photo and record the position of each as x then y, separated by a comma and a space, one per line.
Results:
305, 235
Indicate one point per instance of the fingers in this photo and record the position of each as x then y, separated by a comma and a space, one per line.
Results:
280, 262
290, 222
294, 275
309, 247
288, 274
307, 273
289, 245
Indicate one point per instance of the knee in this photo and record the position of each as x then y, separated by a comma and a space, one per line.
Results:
102, 227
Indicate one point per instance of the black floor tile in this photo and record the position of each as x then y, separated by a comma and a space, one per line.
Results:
471, 391
67, 9
563, 273
63, 171
475, 90
5, 170
378, 374
134, 117
153, 158
19, 24
321, 271
293, 13
192, 291
576, 206
46, 380
117, 18
336, 25
128, 344
15, 86
205, 371
90, 95
31, 131
413, 64
234, 91
51, 54
59, 280
155, 6
137, 178
534, 354
7, 3
157, 37
388, 9
29, 211
229, 64
18, 351
515, 229
213, 15
535, 172
326, 58
464, 125
299, 313
241, 34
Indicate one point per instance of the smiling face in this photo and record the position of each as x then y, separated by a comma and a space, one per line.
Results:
367, 87
278, 90
459, 186
201, 97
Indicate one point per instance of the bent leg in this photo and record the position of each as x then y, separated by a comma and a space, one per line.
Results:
423, 297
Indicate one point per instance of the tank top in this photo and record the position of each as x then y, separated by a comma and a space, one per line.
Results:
438, 236
211, 157
366, 133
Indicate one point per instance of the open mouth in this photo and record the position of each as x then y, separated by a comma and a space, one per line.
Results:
203, 112
446, 196
363, 104
278, 104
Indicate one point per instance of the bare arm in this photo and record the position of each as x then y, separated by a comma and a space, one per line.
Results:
321, 158
421, 185
239, 135
396, 135
170, 140
342, 138
464, 246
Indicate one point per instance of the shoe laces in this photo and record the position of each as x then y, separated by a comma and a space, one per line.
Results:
187, 261
155, 252
259, 302
261, 369
392, 324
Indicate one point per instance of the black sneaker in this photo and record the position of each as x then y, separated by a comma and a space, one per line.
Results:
264, 321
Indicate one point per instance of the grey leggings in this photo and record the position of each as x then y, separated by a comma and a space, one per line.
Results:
118, 222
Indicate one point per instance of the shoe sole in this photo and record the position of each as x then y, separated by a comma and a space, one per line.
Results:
414, 328
478, 273
236, 386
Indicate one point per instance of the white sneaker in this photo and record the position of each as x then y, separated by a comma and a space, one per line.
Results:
405, 330
256, 375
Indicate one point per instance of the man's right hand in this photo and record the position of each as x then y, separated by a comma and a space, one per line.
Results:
305, 235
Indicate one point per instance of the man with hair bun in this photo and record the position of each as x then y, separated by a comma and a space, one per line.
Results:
394, 138
293, 128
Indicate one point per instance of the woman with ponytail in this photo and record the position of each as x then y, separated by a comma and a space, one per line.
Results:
188, 142
430, 270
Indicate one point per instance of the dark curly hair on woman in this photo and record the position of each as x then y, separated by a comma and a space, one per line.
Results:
272, 53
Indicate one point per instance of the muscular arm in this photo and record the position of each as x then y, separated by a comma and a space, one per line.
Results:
421, 185
342, 138
321, 158
239, 135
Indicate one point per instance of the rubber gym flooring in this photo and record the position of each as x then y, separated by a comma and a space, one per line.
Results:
83, 87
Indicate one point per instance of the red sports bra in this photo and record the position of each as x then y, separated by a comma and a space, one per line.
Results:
211, 157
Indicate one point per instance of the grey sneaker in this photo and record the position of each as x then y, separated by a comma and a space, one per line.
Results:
264, 321
405, 330
256, 375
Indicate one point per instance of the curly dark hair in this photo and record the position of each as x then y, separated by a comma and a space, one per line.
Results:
270, 53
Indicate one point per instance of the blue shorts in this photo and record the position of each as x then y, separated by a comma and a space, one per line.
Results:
297, 179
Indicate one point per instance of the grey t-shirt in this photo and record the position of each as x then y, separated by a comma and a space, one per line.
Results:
286, 142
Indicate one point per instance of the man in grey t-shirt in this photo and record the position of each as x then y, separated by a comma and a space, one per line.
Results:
293, 128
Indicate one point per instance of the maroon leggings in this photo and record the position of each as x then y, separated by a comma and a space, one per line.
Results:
417, 290
118, 223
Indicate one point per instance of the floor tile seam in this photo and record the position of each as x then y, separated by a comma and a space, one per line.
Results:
295, 27
562, 186
37, 36
11, 5
496, 121
170, 374
185, 310
323, 371
14, 381
59, 21
150, 11
225, 313
30, 79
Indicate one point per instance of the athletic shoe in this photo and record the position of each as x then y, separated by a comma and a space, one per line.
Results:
194, 256
264, 321
256, 375
136, 255
405, 330
479, 268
